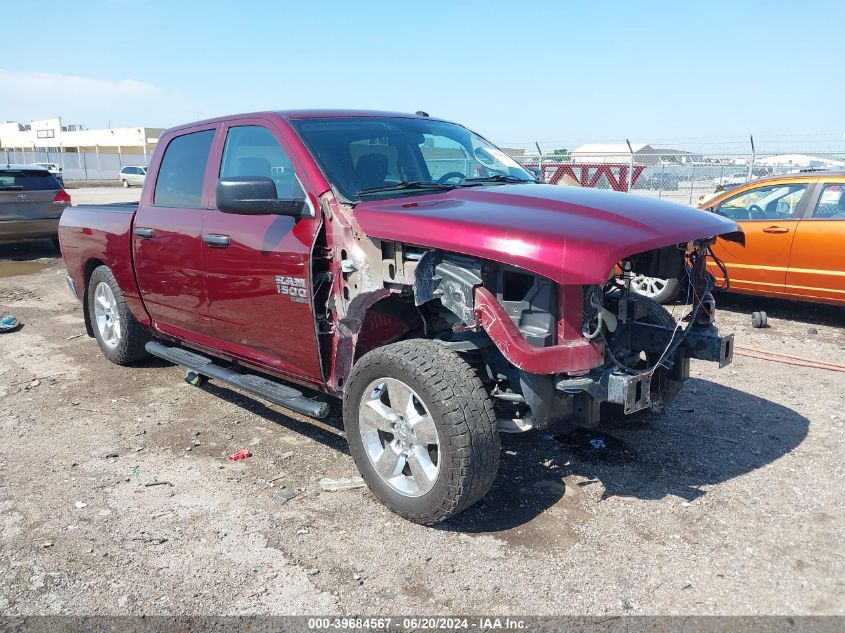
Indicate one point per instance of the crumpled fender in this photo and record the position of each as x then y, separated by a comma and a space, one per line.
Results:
573, 356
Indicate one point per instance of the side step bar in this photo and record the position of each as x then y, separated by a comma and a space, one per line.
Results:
256, 385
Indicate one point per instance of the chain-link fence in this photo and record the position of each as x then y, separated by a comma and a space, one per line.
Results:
682, 178
77, 165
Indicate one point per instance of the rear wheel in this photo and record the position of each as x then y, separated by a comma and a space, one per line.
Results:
125, 184
118, 334
421, 429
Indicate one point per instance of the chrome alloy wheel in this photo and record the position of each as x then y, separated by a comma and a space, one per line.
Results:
107, 315
648, 286
399, 437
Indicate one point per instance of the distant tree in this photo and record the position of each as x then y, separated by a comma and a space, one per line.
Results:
561, 154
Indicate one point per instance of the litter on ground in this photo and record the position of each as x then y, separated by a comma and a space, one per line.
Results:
345, 483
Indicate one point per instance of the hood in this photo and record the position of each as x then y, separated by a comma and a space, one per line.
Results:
572, 235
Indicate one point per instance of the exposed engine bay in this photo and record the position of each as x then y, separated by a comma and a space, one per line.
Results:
548, 353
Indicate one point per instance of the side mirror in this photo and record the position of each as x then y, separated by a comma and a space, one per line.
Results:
255, 195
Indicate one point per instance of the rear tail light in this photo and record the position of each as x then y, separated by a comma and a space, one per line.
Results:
62, 197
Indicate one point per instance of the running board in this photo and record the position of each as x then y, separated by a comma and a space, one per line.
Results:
256, 385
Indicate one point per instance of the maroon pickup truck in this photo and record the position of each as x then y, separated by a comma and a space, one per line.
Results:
406, 265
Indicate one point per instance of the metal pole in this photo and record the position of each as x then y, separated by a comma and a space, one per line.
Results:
750, 174
540, 161
630, 167
662, 181
691, 182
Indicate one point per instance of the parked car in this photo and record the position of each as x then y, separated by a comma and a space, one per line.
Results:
316, 247
661, 181
795, 232
724, 183
31, 203
132, 176
53, 169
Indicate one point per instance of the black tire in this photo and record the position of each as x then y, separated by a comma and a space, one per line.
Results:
129, 347
125, 184
462, 411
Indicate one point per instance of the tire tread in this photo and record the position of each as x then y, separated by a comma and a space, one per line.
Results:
131, 348
467, 410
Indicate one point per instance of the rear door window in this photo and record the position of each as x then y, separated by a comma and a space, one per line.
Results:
182, 170
831, 204
28, 180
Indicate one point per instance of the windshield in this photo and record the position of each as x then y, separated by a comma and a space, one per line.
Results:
365, 157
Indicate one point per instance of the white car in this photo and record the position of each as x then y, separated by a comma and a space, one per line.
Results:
53, 169
731, 180
133, 175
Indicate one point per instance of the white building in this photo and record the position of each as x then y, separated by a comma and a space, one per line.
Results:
52, 136
608, 152
619, 153
801, 161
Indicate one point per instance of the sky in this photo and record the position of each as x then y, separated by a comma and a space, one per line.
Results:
684, 74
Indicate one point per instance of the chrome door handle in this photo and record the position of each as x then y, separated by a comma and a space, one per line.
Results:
776, 229
217, 241
143, 232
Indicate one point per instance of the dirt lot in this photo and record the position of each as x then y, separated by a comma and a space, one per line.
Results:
732, 503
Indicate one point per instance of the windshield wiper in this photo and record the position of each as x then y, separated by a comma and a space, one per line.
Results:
406, 185
12, 188
497, 178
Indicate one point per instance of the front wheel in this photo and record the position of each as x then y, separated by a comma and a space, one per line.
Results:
118, 334
421, 429
656, 288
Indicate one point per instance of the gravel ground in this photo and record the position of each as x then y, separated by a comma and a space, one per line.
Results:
116, 496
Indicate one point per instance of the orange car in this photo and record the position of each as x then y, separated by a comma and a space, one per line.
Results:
794, 239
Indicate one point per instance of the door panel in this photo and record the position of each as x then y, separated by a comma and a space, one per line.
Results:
259, 285
167, 244
769, 216
169, 269
254, 290
760, 265
817, 261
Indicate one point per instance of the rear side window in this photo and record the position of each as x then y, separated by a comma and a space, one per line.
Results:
28, 180
831, 205
182, 170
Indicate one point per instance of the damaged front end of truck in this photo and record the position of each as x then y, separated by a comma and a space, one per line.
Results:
549, 350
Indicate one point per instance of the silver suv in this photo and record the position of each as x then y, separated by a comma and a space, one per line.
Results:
31, 203
131, 176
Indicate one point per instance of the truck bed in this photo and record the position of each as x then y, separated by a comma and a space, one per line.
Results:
94, 234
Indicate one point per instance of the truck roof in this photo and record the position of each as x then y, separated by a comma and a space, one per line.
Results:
305, 114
